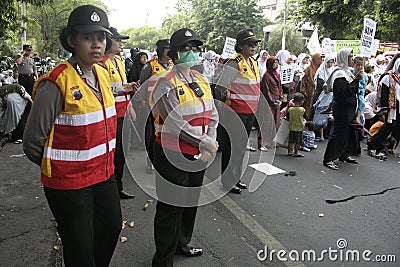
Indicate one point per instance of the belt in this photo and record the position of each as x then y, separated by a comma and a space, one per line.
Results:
25, 75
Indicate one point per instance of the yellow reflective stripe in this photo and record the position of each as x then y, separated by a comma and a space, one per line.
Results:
78, 155
84, 119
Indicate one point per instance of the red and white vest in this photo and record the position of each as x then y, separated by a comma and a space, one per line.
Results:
196, 110
244, 93
79, 150
118, 79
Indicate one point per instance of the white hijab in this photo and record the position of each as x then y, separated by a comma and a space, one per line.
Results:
323, 71
342, 70
262, 64
300, 61
282, 56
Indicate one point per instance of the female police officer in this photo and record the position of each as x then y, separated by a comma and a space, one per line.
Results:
71, 134
185, 126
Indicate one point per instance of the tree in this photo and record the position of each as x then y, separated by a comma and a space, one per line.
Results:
144, 37
47, 22
10, 15
343, 19
214, 20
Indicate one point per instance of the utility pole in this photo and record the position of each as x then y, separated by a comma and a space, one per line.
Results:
284, 28
23, 24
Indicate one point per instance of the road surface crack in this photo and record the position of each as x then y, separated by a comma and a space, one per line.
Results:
330, 201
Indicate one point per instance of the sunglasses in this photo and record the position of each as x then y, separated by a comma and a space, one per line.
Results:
253, 44
186, 48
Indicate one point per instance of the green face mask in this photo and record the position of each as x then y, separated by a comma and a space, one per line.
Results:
188, 58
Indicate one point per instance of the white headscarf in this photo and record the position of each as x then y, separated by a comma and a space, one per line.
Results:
262, 64
323, 71
300, 61
396, 66
282, 56
342, 70
370, 103
209, 65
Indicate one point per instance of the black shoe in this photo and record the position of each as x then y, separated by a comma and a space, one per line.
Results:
125, 195
241, 185
349, 160
235, 190
189, 251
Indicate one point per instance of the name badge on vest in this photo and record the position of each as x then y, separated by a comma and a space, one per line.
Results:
76, 93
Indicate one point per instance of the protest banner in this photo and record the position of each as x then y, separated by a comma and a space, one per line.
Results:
328, 46
286, 73
367, 37
355, 44
229, 48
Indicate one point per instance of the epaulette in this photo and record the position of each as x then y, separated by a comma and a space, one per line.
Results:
238, 58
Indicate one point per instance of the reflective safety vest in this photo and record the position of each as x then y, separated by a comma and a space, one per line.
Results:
118, 78
157, 70
79, 150
244, 93
195, 110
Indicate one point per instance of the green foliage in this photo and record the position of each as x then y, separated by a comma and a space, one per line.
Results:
214, 20
46, 23
144, 37
339, 19
10, 15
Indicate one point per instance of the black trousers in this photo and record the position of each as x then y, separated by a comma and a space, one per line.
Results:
27, 81
150, 137
231, 176
173, 225
89, 222
341, 139
18, 132
119, 157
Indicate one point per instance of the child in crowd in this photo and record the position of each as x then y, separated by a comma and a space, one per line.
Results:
308, 137
295, 115
320, 119
388, 146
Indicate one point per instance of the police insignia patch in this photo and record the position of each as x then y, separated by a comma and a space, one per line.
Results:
94, 17
76, 93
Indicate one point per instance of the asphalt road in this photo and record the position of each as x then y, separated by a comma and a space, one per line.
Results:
289, 214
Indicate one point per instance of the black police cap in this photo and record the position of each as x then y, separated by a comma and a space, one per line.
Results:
87, 19
117, 35
246, 36
27, 47
163, 43
183, 36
